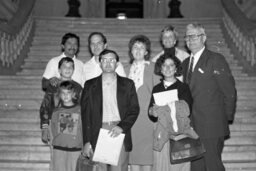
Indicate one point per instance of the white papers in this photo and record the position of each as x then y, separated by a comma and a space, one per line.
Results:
163, 98
108, 148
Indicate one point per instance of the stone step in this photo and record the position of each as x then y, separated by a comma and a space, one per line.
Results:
33, 124
19, 114
240, 166
35, 103
17, 165
21, 94
32, 166
36, 85
108, 29
245, 120
8, 112
240, 81
243, 127
84, 57
25, 156
43, 41
33, 63
245, 104
45, 148
122, 52
238, 148
246, 156
39, 72
27, 138
245, 113
47, 20
127, 24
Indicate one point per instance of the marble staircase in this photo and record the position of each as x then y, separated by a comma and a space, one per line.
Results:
21, 148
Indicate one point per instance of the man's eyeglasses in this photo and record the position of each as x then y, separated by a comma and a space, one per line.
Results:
193, 36
105, 60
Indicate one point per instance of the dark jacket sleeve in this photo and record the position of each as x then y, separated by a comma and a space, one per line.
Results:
133, 108
226, 84
151, 103
185, 94
85, 115
45, 84
46, 109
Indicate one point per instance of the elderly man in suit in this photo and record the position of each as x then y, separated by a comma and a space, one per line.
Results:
109, 101
214, 97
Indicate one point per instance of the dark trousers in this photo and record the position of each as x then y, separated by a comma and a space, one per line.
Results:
211, 161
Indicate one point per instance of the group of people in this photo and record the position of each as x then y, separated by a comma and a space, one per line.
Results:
80, 99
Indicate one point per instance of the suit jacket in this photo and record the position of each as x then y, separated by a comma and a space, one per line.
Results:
214, 95
91, 109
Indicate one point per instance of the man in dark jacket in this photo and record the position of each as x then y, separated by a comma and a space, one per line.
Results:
109, 101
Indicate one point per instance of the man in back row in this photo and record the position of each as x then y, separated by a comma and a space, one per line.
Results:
97, 42
69, 47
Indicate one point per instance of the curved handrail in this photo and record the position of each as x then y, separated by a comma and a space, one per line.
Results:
19, 18
241, 30
15, 33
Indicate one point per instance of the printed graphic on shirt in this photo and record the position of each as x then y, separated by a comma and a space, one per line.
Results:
68, 123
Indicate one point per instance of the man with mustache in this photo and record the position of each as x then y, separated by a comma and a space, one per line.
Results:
70, 46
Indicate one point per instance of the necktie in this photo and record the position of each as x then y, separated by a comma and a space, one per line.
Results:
190, 70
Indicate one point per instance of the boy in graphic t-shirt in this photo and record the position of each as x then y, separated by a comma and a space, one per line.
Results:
66, 130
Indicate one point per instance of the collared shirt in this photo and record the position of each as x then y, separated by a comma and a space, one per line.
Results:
137, 73
52, 69
92, 69
110, 108
196, 57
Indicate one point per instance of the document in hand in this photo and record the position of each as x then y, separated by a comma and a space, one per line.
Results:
163, 98
108, 148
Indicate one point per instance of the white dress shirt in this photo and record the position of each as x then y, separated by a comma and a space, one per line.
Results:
52, 69
196, 57
92, 69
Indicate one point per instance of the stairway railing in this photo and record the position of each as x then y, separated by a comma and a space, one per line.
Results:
15, 33
241, 30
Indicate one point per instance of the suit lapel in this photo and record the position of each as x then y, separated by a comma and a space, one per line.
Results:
97, 93
198, 67
119, 92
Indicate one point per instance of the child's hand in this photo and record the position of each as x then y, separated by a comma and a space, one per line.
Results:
45, 135
54, 81
87, 151
153, 111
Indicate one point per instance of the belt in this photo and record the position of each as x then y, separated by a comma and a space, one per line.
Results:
110, 123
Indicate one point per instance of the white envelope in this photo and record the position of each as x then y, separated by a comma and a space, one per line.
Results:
163, 98
108, 148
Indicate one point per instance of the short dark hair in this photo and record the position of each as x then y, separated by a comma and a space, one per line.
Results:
68, 85
141, 39
103, 37
107, 51
160, 61
66, 59
68, 36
